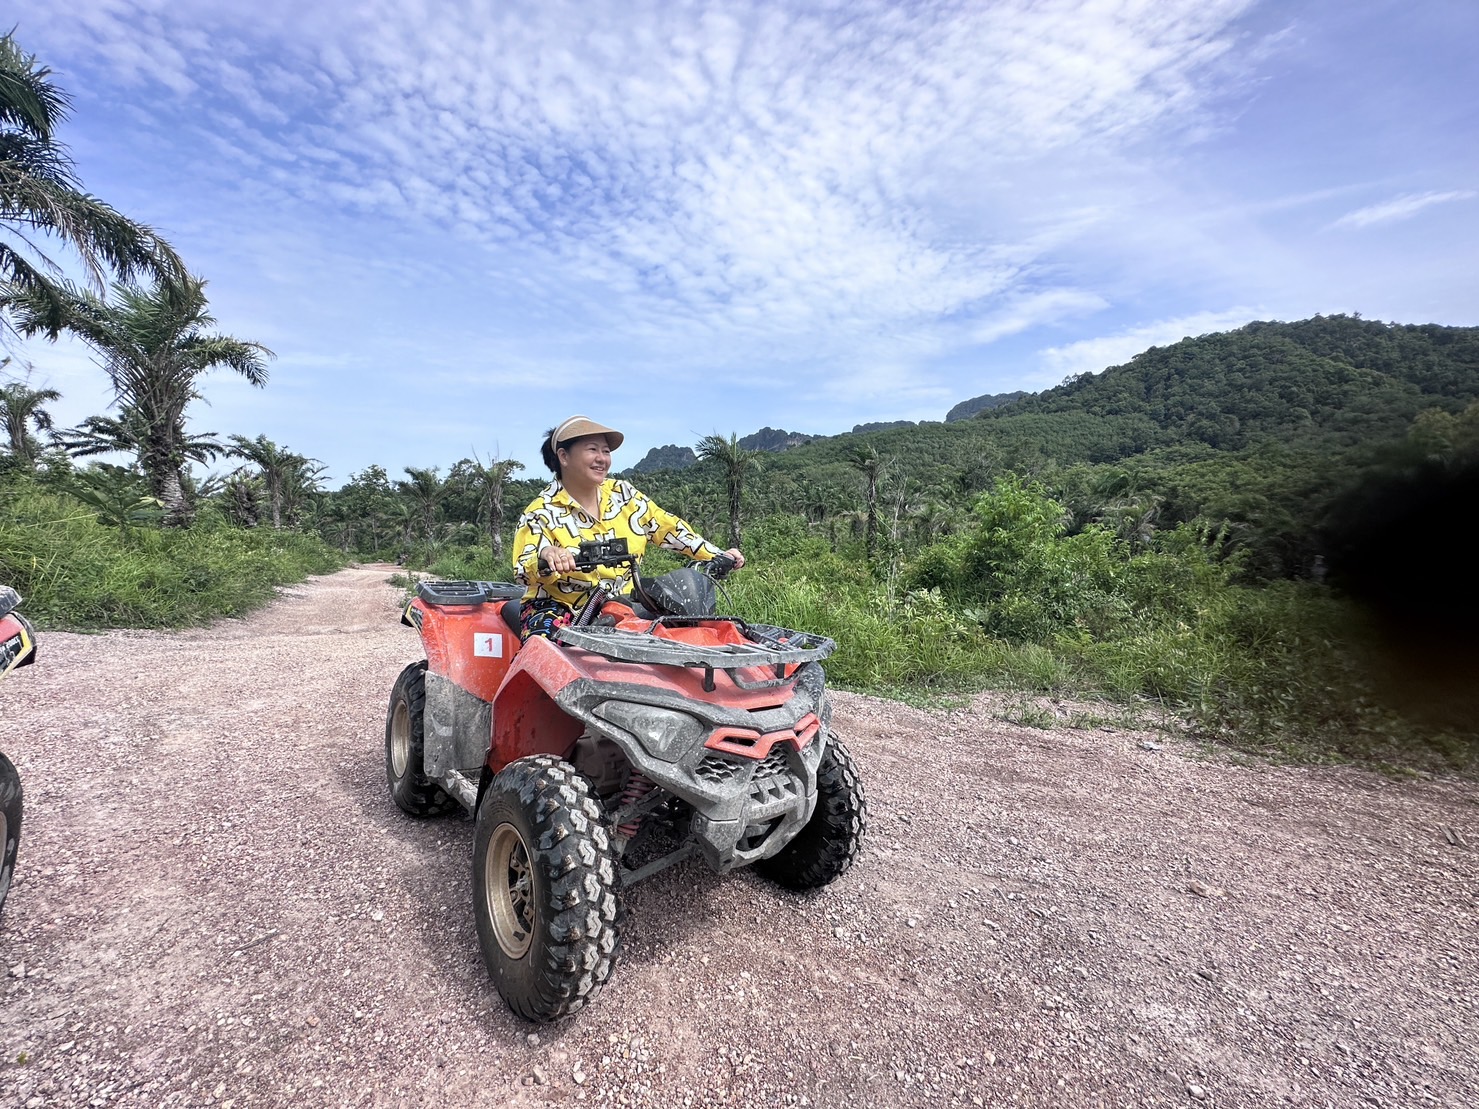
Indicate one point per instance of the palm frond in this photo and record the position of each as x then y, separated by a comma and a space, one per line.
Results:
28, 99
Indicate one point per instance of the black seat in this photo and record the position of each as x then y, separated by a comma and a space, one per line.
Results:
510, 613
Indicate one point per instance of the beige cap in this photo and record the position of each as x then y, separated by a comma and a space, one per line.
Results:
578, 426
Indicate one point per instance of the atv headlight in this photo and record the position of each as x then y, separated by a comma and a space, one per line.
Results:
665, 734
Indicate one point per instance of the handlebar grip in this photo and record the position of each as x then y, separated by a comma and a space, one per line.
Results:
722, 565
586, 564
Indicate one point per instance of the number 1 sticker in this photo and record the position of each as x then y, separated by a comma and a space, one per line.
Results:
487, 644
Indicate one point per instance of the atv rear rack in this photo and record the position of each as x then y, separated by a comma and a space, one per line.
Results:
767, 646
466, 592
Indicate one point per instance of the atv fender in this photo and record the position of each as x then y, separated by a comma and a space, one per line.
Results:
526, 718
469, 645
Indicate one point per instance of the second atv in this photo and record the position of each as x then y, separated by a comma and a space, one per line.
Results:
649, 732
17, 649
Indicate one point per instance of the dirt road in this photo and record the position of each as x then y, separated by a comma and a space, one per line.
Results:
217, 904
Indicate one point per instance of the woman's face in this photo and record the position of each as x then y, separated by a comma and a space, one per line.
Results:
586, 459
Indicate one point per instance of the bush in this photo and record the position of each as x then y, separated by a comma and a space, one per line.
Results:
76, 573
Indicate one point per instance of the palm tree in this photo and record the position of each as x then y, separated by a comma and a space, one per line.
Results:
20, 410
242, 496
736, 462
41, 198
154, 344
425, 492
288, 477
932, 519
125, 434
487, 481
867, 461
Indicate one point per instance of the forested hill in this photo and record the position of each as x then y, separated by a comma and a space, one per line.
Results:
1334, 376
1258, 433
1326, 384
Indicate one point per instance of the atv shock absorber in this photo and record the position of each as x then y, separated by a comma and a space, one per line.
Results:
637, 787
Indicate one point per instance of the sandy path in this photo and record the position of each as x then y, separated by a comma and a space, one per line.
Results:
218, 904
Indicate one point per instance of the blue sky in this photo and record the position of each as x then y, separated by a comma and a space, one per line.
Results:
457, 223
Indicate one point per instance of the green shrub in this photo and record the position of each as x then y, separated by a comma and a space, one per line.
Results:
76, 573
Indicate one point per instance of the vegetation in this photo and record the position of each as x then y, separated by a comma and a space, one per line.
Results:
99, 562
155, 343
21, 410
736, 463
85, 546
41, 196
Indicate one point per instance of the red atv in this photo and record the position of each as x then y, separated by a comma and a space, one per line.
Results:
17, 648
646, 733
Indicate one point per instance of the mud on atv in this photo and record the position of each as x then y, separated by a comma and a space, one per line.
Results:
649, 732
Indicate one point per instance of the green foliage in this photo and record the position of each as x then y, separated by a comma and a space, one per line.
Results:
1016, 601
155, 344
1025, 578
117, 496
77, 571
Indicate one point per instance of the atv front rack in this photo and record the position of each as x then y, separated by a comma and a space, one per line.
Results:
767, 646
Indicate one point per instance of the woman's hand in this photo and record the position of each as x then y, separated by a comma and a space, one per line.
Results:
559, 560
739, 559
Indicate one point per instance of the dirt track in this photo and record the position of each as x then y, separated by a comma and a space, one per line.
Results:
218, 904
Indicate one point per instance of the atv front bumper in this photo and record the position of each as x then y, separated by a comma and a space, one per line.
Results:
750, 777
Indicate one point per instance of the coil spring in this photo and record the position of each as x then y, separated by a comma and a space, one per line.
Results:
637, 787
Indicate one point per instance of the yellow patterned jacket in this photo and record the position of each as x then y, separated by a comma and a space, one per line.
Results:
554, 518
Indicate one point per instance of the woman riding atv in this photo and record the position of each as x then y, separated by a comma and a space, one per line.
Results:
583, 503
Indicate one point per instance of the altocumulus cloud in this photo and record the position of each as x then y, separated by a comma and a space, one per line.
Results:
818, 174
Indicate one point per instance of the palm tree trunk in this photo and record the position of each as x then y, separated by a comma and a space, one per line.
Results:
176, 507
734, 513
163, 475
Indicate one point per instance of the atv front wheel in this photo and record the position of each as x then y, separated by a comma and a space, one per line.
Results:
545, 888
405, 741
826, 847
10, 824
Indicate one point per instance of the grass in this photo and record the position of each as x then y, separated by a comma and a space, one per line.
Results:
75, 573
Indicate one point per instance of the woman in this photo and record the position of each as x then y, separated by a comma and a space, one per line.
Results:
584, 503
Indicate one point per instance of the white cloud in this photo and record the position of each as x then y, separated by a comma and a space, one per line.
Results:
749, 171
1032, 309
1093, 355
1400, 208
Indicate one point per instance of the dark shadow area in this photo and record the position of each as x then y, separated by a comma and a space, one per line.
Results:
1399, 544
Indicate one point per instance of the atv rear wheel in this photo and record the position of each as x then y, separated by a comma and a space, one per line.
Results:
826, 847
545, 888
10, 824
405, 740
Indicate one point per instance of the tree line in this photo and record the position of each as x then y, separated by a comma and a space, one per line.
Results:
140, 310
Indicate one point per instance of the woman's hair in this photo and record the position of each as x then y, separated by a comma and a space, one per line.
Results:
551, 459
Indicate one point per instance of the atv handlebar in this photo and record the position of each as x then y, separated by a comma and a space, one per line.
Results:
597, 552
613, 552
719, 567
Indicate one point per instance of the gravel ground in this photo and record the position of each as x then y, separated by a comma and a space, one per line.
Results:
217, 904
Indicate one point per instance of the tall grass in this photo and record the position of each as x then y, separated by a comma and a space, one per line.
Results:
76, 573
